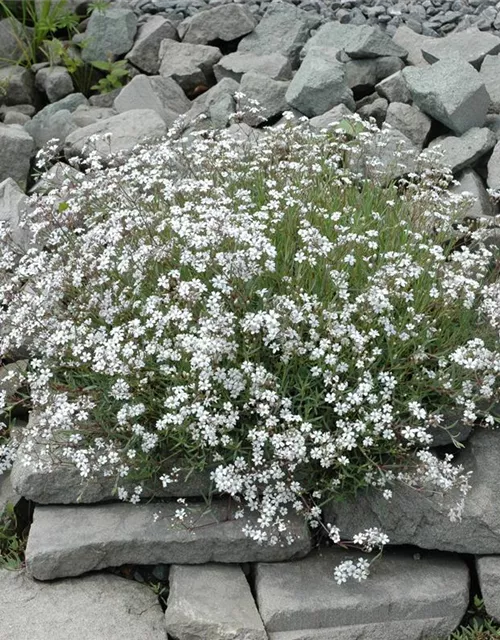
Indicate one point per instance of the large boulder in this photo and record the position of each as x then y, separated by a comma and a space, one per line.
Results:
213, 108
16, 147
110, 33
283, 29
412, 42
227, 22
212, 601
404, 597
268, 93
234, 65
145, 54
421, 518
319, 85
451, 91
127, 130
55, 120
17, 86
14, 38
363, 75
69, 541
410, 121
471, 45
394, 88
490, 72
493, 179
190, 65
463, 151
488, 572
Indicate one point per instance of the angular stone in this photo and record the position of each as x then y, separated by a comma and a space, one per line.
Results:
403, 598
319, 85
363, 75
376, 109
163, 95
471, 182
490, 72
16, 148
7, 493
283, 29
334, 116
216, 105
421, 518
190, 65
471, 45
13, 203
488, 571
227, 22
413, 43
145, 54
270, 95
212, 601
86, 114
127, 130
234, 65
110, 33
410, 121
493, 179
55, 82
451, 91
13, 40
15, 117
58, 174
69, 541
393, 88
48, 124
87, 608
394, 155
464, 151
17, 86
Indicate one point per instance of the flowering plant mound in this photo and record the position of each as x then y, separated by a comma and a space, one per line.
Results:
272, 310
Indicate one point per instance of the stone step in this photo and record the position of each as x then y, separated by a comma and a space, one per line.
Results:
95, 607
212, 601
71, 540
403, 598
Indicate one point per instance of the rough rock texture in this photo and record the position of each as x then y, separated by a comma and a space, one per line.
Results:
18, 86
145, 54
92, 607
212, 601
471, 182
394, 88
190, 65
319, 85
410, 121
471, 45
451, 91
403, 598
127, 130
270, 94
227, 22
163, 95
12, 41
363, 75
234, 65
55, 82
7, 493
217, 105
16, 147
335, 115
69, 541
86, 114
55, 120
465, 150
490, 72
412, 42
421, 518
494, 168
109, 33
488, 570
12, 204
283, 29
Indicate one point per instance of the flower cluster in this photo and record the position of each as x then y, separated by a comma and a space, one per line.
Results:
275, 312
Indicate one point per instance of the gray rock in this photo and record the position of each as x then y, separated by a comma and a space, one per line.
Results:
91, 607
13, 40
17, 86
394, 89
127, 130
493, 179
54, 178
55, 82
16, 148
334, 116
190, 65
212, 601
413, 43
234, 65
319, 85
145, 54
408, 119
488, 571
86, 114
451, 91
363, 75
55, 120
283, 29
13, 203
464, 151
372, 42
376, 109
421, 518
331, 35
403, 598
69, 541
227, 22
490, 71
26, 109
15, 117
110, 33
390, 155
216, 105
471, 45
104, 100
163, 95
471, 182
7, 493
270, 95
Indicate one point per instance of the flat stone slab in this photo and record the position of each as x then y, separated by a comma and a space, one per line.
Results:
488, 570
69, 541
95, 607
471, 45
212, 601
403, 598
